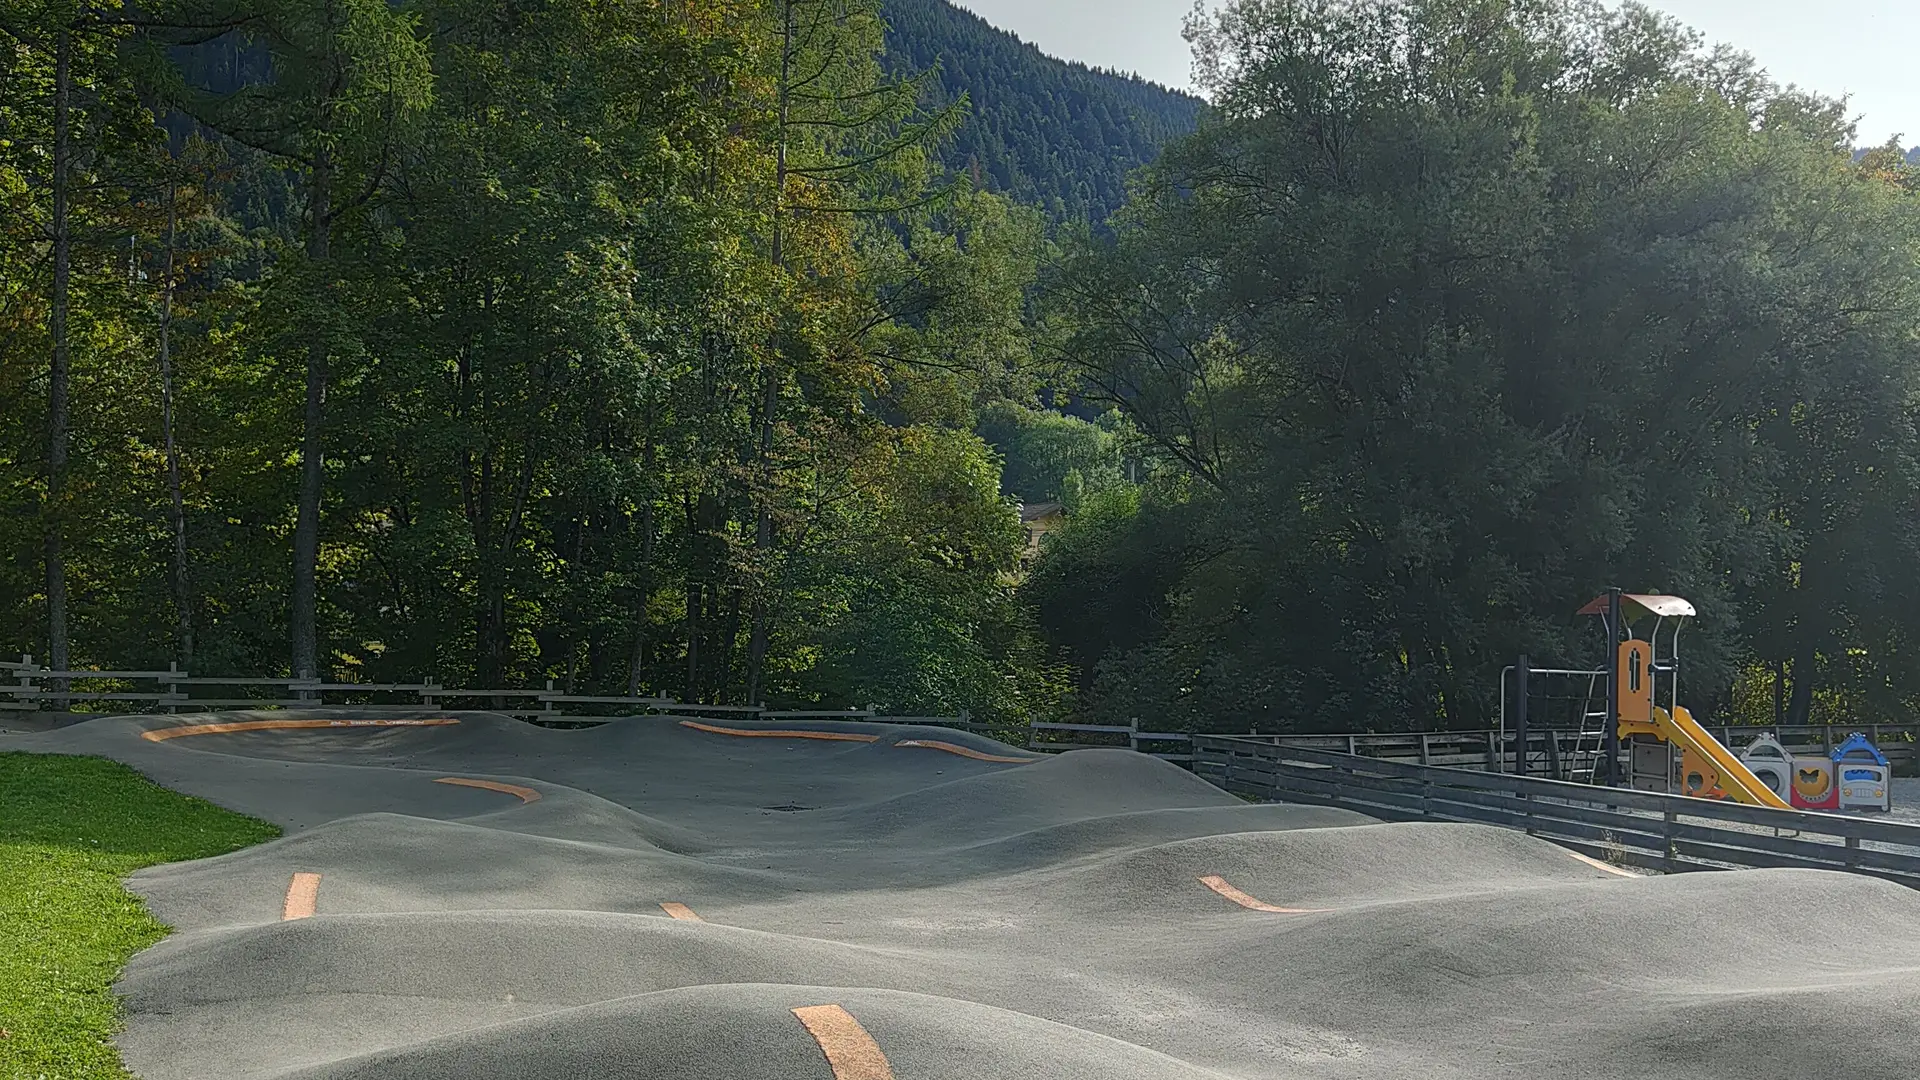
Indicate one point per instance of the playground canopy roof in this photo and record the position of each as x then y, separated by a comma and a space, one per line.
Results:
1636, 605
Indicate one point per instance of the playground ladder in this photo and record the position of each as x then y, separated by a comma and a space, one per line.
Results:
1591, 744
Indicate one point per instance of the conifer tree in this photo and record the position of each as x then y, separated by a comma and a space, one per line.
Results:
347, 77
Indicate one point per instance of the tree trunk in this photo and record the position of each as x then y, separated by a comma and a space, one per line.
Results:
1800, 705
176, 507
59, 373
763, 526
637, 658
490, 645
306, 529
637, 661
693, 642
493, 630
577, 645
729, 647
762, 544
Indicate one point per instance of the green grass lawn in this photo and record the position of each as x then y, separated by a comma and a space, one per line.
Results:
70, 829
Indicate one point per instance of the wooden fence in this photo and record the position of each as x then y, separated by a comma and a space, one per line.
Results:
1547, 751
37, 688
1669, 833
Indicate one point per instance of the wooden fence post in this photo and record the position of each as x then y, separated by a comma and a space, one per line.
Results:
1426, 749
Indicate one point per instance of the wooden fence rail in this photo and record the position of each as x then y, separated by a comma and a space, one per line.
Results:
1670, 833
180, 691
1548, 752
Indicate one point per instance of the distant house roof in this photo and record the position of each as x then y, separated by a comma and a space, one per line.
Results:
1036, 511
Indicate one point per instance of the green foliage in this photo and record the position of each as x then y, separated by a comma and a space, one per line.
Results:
951, 307
1048, 453
602, 393
113, 152
70, 829
1459, 311
934, 549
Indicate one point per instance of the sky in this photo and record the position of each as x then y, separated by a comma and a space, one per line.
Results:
1860, 48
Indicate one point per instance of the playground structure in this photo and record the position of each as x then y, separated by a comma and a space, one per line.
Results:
1855, 776
1666, 749
1865, 777
1806, 783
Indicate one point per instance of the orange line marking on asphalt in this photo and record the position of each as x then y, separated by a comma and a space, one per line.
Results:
1598, 865
1219, 884
849, 1049
302, 893
836, 736
963, 751
526, 794
680, 911
162, 734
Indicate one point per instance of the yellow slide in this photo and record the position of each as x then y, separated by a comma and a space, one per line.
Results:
1702, 753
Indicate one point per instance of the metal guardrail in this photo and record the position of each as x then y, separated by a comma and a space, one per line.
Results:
1548, 751
1670, 833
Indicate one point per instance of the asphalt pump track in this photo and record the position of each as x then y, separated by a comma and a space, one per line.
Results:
469, 896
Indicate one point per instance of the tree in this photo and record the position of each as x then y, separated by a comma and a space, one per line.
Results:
347, 75
541, 313
1043, 450
1459, 311
75, 132
846, 140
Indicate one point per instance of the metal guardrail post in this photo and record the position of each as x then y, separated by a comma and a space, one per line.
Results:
1610, 743
1522, 683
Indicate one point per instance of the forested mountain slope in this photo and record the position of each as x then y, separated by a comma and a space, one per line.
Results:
1059, 135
